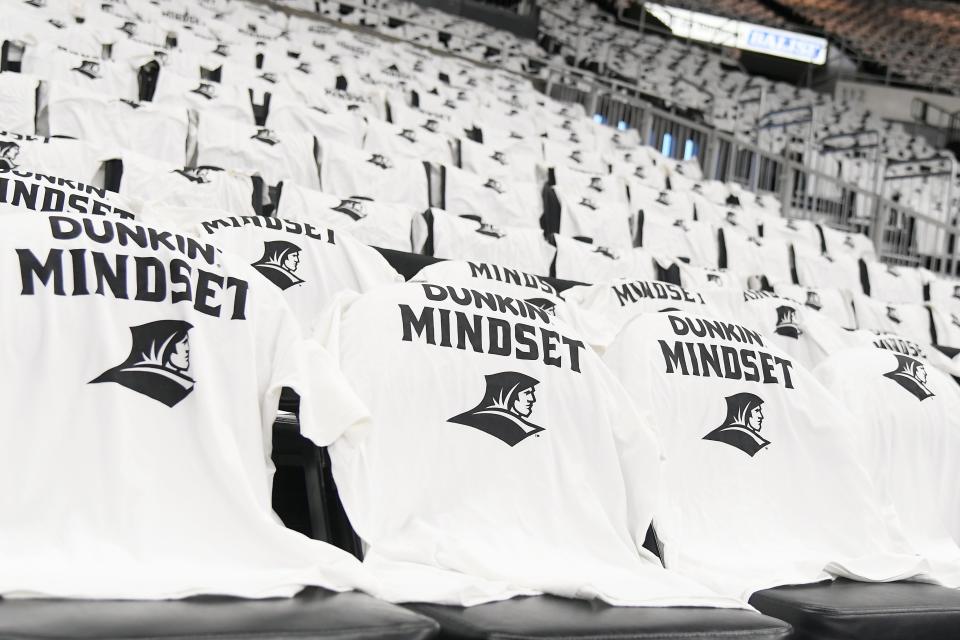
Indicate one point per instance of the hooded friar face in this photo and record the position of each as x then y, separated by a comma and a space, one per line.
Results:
9, 152
282, 254
164, 343
744, 410
511, 392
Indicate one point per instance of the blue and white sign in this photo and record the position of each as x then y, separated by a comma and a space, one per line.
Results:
728, 32
785, 44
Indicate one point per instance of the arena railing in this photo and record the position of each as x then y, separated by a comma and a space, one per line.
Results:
900, 234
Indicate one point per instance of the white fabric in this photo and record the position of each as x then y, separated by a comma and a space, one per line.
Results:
741, 509
157, 452
585, 262
910, 420
909, 320
500, 202
352, 172
491, 506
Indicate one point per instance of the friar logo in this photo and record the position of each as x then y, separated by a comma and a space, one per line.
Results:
639, 173
607, 253
352, 208
741, 428
269, 76
265, 136
129, 28
596, 183
206, 89
663, 198
494, 185
954, 320
575, 156
502, 413
304, 67
408, 134
956, 291
499, 157
588, 203
431, 125
487, 229
893, 315
89, 68
159, 362
792, 225
381, 161
732, 218
547, 305
813, 300
279, 263
198, 175
787, 323
714, 278
911, 375
848, 242
8, 154
681, 224
222, 50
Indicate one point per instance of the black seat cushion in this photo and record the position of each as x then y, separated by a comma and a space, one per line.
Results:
312, 614
848, 610
553, 617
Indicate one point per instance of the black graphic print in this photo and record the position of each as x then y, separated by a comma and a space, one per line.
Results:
911, 374
279, 263
504, 409
741, 428
159, 362
787, 322
353, 208
8, 154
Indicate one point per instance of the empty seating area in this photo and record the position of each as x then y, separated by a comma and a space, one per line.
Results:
327, 321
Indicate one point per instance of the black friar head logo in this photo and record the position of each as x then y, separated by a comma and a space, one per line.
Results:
279, 263
543, 303
714, 278
353, 208
494, 185
89, 68
588, 203
206, 89
956, 291
381, 161
575, 156
663, 198
681, 224
159, 362
431, 125
304, 67
911, 374
731, 218
787, 323
265, 136
954, 320
848, 242
813, 300
596, 183
487, 229
792, 225
409, 135
741, 428
269, 76
638, 173
223, 50
893, 315
8, 154
197, 175
499, 157
607, 253
129, 28
504, 409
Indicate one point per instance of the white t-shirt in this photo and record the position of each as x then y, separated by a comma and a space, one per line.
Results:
478, 473
910, 420
158, 131
336, 125
418, 144
853, 244
586, 262
352, 172
503, 203
706, 278
379, 224
742, 426
584, 214
909, 320
275, 155
753, 258
467, 239
309, 264
202, 187
678, 238
889, 283
167, 358
833, 303
792, 231
815, 269
517, 161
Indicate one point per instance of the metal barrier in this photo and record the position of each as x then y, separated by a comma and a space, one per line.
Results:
901, 234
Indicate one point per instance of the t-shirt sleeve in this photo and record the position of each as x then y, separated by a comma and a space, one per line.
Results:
328, 405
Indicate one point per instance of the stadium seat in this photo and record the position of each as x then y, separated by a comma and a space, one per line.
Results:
553, 617
846, 610
314, 614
